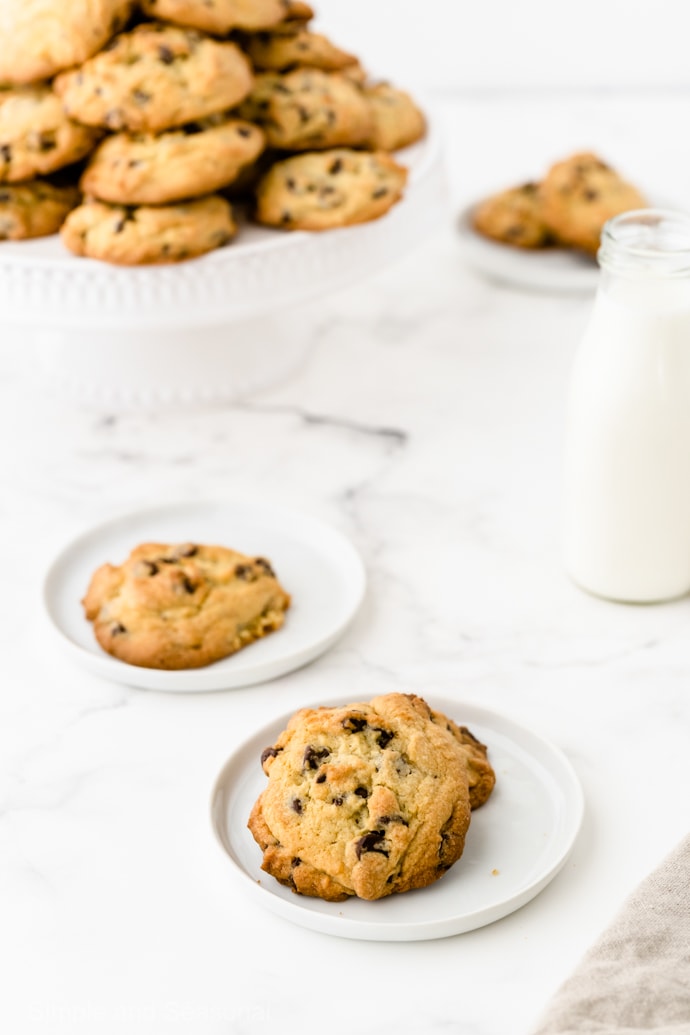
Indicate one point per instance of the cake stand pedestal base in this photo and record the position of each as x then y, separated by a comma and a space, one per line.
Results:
131, 368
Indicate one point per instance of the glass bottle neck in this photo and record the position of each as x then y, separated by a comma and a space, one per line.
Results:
646, 243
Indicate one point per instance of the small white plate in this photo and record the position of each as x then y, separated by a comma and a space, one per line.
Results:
516, 844
316, 564
544, 269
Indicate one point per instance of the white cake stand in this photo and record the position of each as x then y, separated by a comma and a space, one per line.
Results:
214, 328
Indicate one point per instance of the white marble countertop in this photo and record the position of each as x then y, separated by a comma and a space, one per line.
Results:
426, 425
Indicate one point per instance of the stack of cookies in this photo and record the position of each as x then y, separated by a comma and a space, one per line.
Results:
566, 209
368, 799
134, 126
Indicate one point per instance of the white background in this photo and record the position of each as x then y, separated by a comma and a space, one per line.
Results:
450, 44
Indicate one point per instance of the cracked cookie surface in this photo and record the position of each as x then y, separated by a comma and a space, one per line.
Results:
153, 169
397, 121
143, 234
481, 777
295, 46
367, 800
35, 208
48, 36
36, 136
155, 77
514, 216
308, 109
219, 17
580, 194
327, 189
183, 606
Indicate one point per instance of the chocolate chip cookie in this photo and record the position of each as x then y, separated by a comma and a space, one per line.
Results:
36, 137
156, 77
480, 773
138, 235
308, 109
35, 208
183, 606
580, 194
43, 37
293, 45
367, 800
153, 169
219, 17
514, 216
327, 189
397, 120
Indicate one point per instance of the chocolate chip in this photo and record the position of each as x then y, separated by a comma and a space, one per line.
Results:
261, 562
296, 806
370, 843
269, 752
337, 801
443, 848
321, 778
150, 567
6, 152
336, 166
286, 218
126, 217
192, 128
354, 724
313, 757
117, 629
141, 97
244, 571
5, 195
185, 550
591, 195
189, 586
304, 114
46, 142
384, 737
243, 131
397, 818
290, 183
165, 55
380, 192
361, 792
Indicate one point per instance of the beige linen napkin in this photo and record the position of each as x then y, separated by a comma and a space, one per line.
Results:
636, 977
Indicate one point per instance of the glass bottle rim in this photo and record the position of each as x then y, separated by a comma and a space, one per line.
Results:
647, 241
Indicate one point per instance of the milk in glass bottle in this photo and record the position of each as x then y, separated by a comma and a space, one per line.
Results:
627, 448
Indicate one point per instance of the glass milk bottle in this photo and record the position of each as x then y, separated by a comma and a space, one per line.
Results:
627, 450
